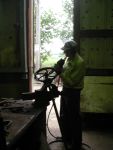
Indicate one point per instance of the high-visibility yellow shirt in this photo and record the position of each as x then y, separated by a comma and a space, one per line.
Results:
73, 73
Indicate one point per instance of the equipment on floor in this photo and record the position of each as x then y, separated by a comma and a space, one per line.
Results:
48, 92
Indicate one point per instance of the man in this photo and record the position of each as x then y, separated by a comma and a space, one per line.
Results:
72, 77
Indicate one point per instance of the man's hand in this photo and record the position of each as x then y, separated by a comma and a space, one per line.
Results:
61, 62
59, 66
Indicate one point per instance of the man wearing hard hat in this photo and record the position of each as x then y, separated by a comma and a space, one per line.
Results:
72, 76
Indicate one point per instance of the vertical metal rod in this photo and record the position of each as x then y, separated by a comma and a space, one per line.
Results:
59, 122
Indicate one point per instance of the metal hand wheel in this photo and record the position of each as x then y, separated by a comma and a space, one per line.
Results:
44, 74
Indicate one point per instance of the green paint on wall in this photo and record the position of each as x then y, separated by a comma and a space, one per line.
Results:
97, 52
97, 95
96, 14
9, 34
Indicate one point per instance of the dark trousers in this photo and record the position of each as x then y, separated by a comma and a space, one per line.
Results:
70, 117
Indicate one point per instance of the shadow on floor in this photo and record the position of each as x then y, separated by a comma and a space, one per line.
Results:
97, 134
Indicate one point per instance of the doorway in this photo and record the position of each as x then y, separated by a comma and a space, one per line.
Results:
53, 26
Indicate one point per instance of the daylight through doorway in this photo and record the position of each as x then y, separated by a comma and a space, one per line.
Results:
53, 26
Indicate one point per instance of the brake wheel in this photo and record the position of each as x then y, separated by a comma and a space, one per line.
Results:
44, 74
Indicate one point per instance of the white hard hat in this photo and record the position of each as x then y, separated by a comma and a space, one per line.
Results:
69, 45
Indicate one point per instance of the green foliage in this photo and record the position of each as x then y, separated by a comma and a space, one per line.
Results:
53, 26
49, 31
68, 9
49, 62
67, 23
48, 26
